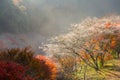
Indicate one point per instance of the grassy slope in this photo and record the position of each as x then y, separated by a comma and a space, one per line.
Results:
111, 71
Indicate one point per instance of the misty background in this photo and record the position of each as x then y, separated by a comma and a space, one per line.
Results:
38, 20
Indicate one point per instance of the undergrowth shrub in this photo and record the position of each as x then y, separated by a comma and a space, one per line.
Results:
39, 67
22, 56
13, 71
43, 68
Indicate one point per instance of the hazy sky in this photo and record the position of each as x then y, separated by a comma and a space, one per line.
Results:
51, 17
56, 15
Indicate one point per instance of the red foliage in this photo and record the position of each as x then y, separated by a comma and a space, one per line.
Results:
40, 68
47, 69
12, 71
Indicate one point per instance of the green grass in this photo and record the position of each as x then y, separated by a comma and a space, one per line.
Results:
111, 70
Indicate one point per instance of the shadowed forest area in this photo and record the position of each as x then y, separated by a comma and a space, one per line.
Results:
59, 40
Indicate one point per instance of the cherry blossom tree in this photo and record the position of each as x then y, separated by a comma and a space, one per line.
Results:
91, 31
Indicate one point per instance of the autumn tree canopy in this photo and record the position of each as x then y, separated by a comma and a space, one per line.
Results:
93, 37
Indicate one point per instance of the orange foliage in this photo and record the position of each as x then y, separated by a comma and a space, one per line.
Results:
44, 68
108, 25
113, 43
102, 46
108, 56
96, 51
